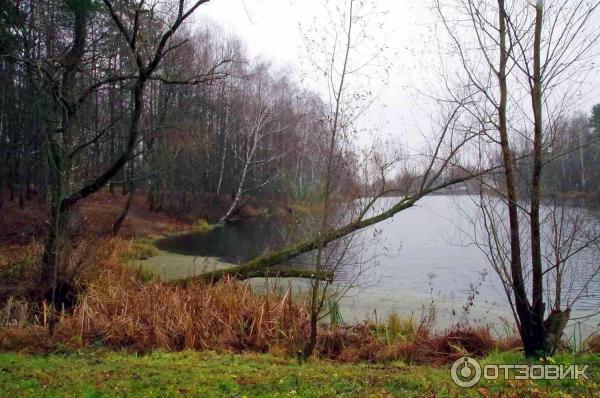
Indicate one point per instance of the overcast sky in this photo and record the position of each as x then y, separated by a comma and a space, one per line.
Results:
271, 29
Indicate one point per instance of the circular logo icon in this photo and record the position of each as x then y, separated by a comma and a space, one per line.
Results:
465, 372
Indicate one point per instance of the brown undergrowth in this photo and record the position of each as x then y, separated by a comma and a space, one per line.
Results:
92, 218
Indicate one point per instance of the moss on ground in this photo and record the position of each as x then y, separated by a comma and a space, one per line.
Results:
208, 374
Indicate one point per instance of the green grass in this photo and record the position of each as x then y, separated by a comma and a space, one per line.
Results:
141, 250
208, 374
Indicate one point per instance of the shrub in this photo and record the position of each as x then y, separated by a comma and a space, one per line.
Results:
202, 226
458, 341
15, 312
400, 329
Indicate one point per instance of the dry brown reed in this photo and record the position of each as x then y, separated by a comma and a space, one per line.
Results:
152, 316
593, 343
117, 307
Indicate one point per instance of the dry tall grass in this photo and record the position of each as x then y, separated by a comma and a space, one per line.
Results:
160, 316
117, 307
593, 343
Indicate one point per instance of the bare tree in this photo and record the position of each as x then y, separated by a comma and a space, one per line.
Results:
59, 76
256, 125
527, 52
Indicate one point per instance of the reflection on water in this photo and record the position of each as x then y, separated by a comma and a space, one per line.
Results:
233, 244
419, 256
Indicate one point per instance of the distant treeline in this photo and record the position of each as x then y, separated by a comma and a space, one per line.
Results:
572, 157
571, 163
574, 162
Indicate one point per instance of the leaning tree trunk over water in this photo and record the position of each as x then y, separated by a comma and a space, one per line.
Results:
238, 192
264, 265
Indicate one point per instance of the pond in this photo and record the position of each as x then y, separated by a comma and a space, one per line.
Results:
419, 258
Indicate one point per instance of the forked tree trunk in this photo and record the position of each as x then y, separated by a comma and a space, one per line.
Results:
531, 335
539, 337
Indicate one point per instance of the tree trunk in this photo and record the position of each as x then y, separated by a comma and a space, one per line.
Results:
119, 222
311, 344
538, 306
49, 258
222, 170
554, 326
315, 308
56, 156
237, 196
530, 330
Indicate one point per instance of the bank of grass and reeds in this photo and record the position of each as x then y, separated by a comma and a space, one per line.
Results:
121, 306
117, 304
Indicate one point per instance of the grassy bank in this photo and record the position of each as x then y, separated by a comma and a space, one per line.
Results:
117, 305
208, 374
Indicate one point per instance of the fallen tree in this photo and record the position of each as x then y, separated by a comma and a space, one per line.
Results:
264, 265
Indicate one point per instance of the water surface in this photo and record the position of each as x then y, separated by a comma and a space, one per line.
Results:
421, 257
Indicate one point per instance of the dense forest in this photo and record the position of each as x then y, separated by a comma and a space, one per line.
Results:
212, 123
